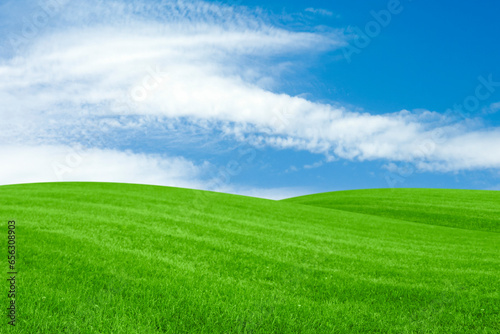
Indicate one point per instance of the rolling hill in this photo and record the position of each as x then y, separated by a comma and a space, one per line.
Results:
468, 209
123, 258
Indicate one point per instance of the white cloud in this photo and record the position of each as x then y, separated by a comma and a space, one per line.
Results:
32, 164
492, 108
190, 60
314, 165
469, 151
319, 11
46, 163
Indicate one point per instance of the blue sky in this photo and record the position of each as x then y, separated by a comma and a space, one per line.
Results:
269, 99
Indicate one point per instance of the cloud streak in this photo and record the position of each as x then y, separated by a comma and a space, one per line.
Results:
46, 163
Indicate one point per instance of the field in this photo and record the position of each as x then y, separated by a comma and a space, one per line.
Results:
474, 210
122, 258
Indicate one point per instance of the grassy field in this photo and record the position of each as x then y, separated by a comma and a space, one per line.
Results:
469, 209
118, 258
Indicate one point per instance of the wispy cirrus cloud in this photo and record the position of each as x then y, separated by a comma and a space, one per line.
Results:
492, 108
319, 11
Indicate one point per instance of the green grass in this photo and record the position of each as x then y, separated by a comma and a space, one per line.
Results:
469, 209
119, 258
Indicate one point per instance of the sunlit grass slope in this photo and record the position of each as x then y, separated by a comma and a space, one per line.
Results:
117, 258
469, 209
